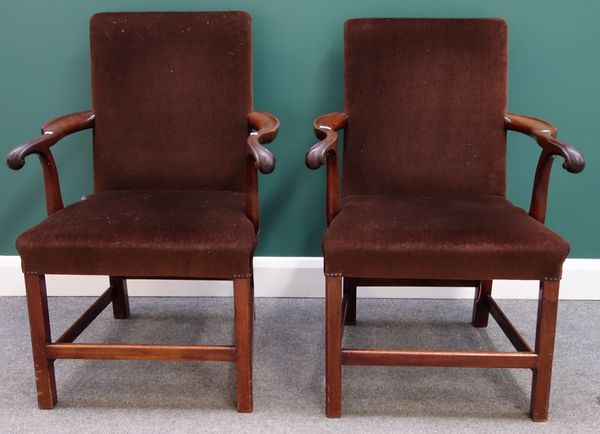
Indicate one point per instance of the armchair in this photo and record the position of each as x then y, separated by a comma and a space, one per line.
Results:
423, 200
175, 187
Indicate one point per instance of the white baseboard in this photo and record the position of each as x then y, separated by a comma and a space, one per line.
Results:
299, 277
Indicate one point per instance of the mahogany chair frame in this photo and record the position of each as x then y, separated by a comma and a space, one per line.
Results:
340, 297
263, 128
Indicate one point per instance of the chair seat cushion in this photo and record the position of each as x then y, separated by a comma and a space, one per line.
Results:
134, 233
484, 237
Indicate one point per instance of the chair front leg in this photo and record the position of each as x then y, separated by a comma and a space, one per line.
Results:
350, 296
333, 344
243, 301
481, 312
39, 323
544, 347
120, 298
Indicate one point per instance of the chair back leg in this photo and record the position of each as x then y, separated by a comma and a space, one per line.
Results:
120, 298
544, 347
350, 297
243, 301
39, 322
333, 344
481, 312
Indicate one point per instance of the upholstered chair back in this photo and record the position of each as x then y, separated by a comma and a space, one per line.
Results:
171, 94
426, 100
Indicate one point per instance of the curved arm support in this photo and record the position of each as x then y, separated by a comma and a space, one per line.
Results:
266, 127
52, 132
325, 129
325, 152
544, 134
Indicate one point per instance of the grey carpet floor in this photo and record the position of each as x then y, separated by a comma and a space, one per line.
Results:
120, 396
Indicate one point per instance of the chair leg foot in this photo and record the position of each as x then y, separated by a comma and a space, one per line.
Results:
333, 344
481, 313
350, 294
120, 297
544, 347
243, 307
39, 322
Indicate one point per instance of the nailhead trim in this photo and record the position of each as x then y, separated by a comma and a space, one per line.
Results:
341, 275
242, 276
235, 276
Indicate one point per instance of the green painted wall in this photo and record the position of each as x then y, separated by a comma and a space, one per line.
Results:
554, 74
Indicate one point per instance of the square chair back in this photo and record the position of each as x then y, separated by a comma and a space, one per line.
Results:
426, 100
171, 94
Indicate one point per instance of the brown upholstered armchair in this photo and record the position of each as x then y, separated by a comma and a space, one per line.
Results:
423, 200
175, 182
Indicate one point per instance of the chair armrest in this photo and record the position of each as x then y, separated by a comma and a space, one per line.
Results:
266, 126
52, 132
544, 134
325, 152
325, 129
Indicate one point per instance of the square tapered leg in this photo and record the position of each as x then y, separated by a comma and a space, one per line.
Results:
120, 298
243, 307
37, 305
481, 313
544, 347
333, 343
350, 296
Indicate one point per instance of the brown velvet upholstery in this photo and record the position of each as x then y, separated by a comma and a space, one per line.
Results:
476, 237
425, 100
171, 94
144, 233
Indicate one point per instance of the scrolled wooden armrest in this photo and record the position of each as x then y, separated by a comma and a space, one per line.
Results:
325, 152
266, 126
52, 132
325, 129
544, 134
